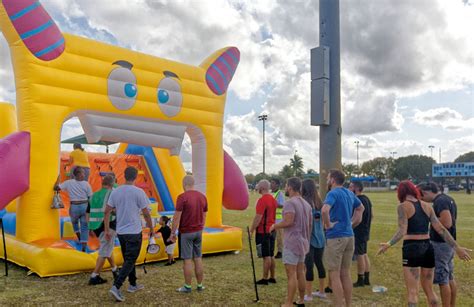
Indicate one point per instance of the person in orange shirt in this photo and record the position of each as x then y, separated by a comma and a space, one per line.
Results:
78, 157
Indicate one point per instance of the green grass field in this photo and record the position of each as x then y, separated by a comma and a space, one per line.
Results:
228, 277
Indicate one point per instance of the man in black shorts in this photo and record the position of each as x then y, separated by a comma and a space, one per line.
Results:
265, 240
362, 235
446, 211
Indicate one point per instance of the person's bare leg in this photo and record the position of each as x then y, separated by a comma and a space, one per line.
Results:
309, 288
272, 267
111, 261
292, 283
336, 286
300, 276
267, 262
412, 278
347, 285
198, 270
99, 264
367, 263
427, 285
445, 291
454, 291
188, 271
360, 264
321, 285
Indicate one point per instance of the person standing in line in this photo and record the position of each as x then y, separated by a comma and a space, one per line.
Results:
98, 204
341, 211
128, 201
309, 192
362, 236
297, 226
189, 218
79, 191
263, 221
280, 198
445, 209
414, 219
78, 157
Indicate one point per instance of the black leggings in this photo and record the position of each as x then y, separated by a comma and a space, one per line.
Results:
315, 256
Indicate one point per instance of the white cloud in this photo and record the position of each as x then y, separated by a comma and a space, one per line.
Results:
446, 118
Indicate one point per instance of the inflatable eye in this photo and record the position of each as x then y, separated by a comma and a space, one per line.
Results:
169, 96
122, 88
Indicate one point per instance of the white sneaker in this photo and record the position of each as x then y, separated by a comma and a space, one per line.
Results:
135, 288
308, 298
319, 294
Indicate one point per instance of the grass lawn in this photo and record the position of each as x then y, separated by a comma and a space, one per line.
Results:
228, 277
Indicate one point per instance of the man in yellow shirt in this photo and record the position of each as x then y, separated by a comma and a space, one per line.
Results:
78, 157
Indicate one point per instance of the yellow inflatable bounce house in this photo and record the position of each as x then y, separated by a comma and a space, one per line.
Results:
144, 102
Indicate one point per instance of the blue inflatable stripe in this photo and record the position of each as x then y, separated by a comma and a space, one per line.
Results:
9, 223
155, 171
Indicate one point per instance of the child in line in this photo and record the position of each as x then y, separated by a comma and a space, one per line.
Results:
165, 231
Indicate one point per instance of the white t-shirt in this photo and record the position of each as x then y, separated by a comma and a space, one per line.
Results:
77, 190
128, 201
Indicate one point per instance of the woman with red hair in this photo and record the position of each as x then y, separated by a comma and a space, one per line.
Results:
414, 219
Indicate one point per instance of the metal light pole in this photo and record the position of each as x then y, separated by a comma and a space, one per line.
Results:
431, 149
439, 161
330, 131
393, 153
357, 144
263, 118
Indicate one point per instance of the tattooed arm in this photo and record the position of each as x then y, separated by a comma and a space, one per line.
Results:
402, 230
463, 253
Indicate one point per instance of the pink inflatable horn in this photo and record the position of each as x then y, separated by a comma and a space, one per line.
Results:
236, 193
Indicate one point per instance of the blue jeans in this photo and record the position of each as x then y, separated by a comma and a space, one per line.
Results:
78, 215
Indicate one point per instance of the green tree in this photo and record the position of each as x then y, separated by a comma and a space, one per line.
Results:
296, 164
415, 167
250, 178
286, 172
261, 176
377, 167
467, 157
349, 169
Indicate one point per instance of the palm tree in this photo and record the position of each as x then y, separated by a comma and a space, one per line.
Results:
296, 164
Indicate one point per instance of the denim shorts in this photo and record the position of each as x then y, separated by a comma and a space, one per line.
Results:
444, 264
107, 247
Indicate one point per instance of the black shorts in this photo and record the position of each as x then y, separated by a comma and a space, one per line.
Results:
360, 247
267, 243
418, 253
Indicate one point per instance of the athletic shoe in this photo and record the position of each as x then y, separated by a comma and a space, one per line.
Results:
298, 304
319, 294
135, 288
262, 282
272, 281
328, 290
358, 284
116, 294
168, 263
308, 298
278, 255
200, 288
184, 289
97, 280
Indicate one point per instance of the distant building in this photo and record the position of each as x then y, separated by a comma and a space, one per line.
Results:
453, 169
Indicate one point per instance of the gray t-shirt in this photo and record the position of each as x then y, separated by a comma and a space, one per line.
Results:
296, 237
77, 190
128, 201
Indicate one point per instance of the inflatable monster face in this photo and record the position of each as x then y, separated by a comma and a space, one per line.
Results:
118, 95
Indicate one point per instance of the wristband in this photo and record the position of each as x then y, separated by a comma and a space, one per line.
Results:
390, 243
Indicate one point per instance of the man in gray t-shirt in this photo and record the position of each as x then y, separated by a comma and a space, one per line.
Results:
297, 226
128, 201
79, 191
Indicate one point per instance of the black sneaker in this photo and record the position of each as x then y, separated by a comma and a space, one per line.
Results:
168, 263
328, 290
278, 255
97, 280
262, 282
272, 281
358, 284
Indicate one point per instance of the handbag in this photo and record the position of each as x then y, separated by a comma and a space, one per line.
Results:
57, 201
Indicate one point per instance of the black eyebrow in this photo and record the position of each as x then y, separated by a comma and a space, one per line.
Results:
124, 64
170, 74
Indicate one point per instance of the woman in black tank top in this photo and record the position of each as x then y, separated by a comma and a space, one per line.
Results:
414, 218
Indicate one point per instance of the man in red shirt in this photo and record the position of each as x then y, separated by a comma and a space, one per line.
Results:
189, 218
265, 240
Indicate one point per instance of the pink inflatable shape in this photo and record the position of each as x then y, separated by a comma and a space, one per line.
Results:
236, 194
14, 166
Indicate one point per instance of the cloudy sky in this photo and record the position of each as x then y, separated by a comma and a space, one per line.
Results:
407, 74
